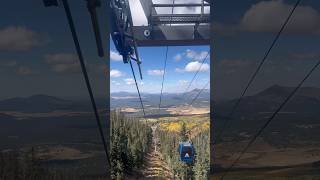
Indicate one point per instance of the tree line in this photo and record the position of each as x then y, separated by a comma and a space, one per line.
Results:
26, 165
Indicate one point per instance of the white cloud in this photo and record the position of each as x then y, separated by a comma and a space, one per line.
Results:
63, 62
129, 81
155, 72
197, 56
116, 73
195, 66
60, 58
192, 55
178, 70
22, 70
177, 57
234, 63
116, 83
305, 56
183, 82
16, 38
115, 56
268, 16
9, 63
63, 68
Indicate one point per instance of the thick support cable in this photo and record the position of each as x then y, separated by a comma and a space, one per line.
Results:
92, 5
271, 118
225, 124
165, 62
85, 74
163, 75
197, 96
135, 80
195, 75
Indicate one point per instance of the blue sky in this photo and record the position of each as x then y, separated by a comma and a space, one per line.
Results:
182, 64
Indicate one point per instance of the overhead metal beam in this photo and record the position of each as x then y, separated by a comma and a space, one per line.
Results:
147, 6
92, 8
182, 35
180, 5
180, 19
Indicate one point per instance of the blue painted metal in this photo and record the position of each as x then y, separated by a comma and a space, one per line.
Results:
186, 150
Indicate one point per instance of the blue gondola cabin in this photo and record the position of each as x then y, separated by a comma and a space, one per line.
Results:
186, 152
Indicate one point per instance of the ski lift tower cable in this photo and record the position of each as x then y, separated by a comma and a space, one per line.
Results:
225, 124
92, 5
199, 69
271, 118
83, 68
135, 80
165, 64
198, 94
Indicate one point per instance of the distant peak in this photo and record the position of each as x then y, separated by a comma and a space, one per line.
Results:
275, 86
275, 90
44, 97
196, 89
40, 95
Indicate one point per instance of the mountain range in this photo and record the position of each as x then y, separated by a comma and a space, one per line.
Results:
46, 103
297, 124
41, 103
298, 120
306, 100
127, 99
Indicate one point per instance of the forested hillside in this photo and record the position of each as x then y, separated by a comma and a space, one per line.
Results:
130, 140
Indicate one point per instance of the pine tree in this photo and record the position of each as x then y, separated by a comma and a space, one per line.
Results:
2, 162
129, 143
116, 163
183, 132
